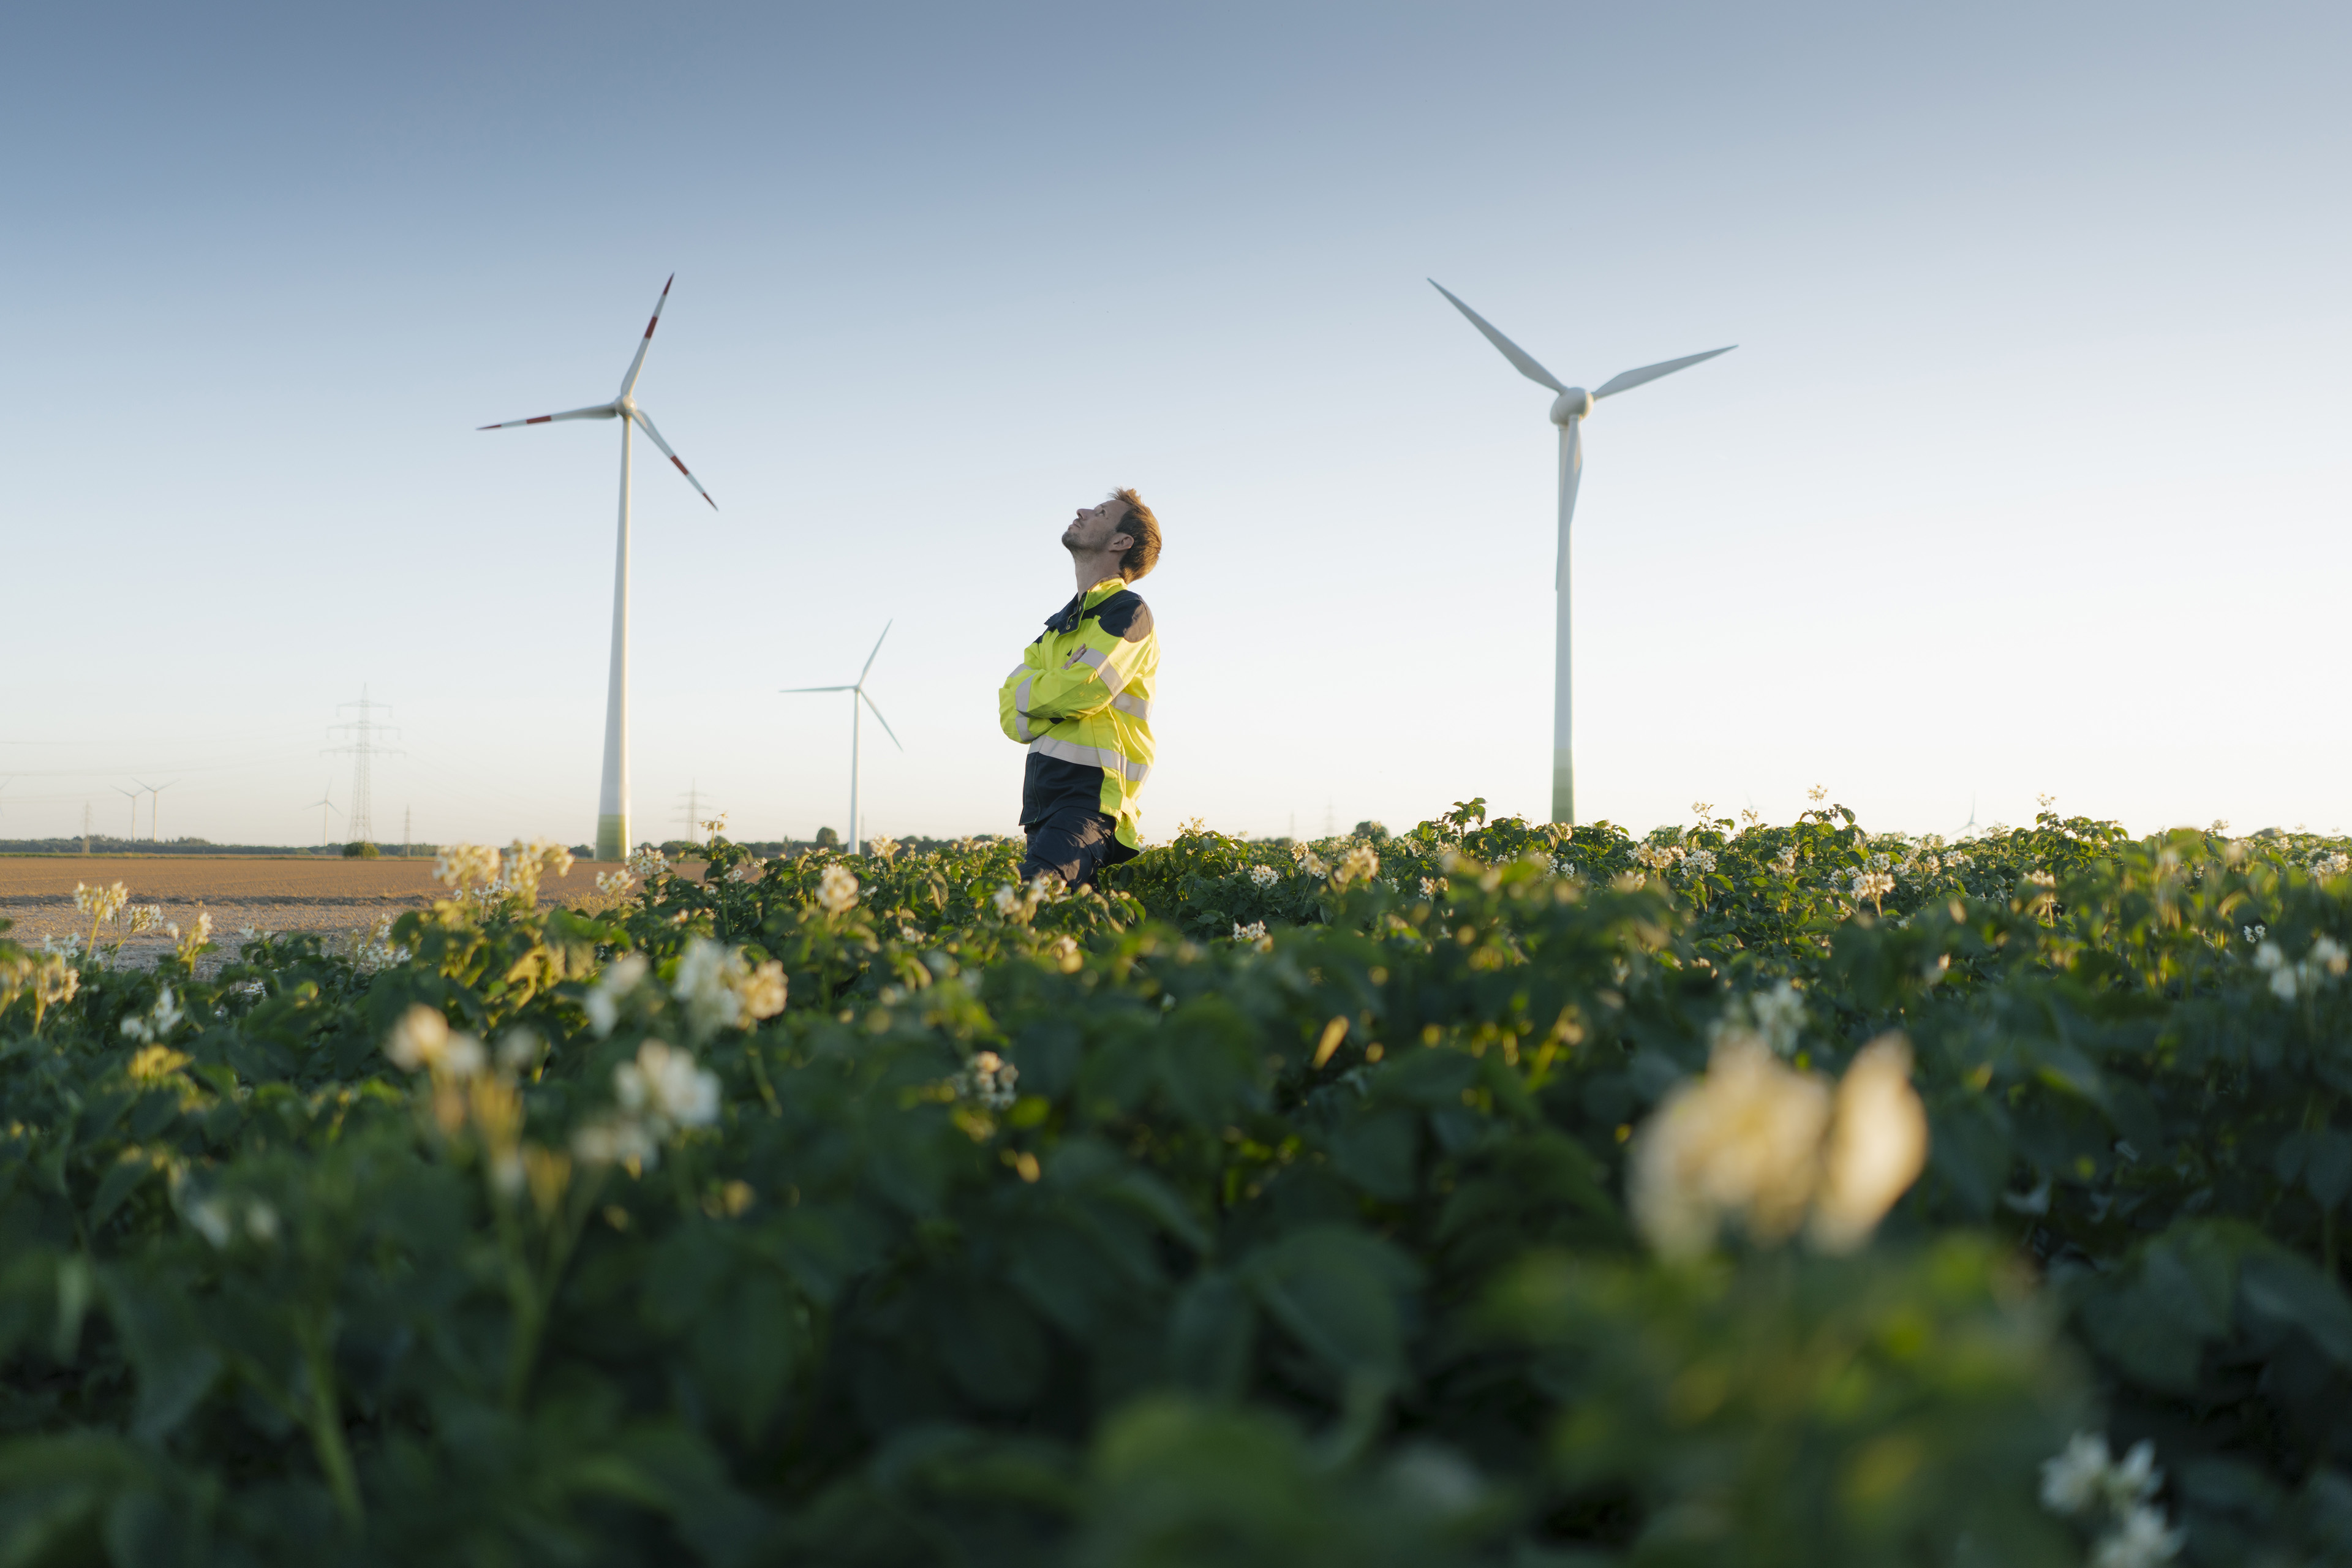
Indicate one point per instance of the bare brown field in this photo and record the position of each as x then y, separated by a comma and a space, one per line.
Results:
333, 898
213, 880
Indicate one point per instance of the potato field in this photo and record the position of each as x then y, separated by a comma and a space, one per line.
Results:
1488, 1194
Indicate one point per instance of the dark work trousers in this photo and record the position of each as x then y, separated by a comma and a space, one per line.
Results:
1076, 843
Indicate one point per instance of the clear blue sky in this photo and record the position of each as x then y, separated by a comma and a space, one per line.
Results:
2029, 474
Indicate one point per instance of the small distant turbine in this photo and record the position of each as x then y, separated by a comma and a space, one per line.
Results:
857, 690
325, 803
613, 797
1568, 411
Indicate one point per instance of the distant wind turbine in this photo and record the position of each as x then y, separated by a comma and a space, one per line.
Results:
325, 803
857, 690
134, 795
1568, 411
153, 833
612, 796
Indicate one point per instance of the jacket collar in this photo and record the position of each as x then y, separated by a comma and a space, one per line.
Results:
1067, 617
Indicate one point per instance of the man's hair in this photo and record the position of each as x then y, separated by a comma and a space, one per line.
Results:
1144, 529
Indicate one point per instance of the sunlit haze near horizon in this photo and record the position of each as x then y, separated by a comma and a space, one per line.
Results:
2027, 476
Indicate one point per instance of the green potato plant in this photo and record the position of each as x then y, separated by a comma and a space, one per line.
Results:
1279, 1202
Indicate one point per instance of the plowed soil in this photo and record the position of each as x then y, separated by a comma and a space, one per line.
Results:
284, 894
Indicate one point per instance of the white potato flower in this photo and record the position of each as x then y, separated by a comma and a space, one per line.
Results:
719, 992
55, 980
1356, 865
602, 1003
421, 1040
102, 903
836, 889
1250, 932
665, 1090
1877, 1146
1756, 1141
157, 1022
989, 1078
460, 865
1743, 1140
616, 1140
1265, 876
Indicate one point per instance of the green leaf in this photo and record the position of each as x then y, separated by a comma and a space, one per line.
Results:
1335, 1290
2278, 1285
1211, 1336
175, 1365
988, 1340
2327, 1167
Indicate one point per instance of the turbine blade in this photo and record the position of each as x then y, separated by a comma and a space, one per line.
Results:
646, 424
878, 649
1633, 378
1519, 357
629, 381
885, 723
602, 411
789, 689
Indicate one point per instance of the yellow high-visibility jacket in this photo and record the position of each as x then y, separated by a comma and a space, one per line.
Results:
1080, 700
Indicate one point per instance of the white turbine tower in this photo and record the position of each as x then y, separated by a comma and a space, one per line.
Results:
325, 803
613, 797
857, 694
1568, 411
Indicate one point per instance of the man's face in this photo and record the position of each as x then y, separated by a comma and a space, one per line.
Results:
1095, 527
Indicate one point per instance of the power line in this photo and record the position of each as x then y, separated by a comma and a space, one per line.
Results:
360, 748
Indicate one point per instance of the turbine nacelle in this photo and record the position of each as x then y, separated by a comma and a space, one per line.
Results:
1574, 403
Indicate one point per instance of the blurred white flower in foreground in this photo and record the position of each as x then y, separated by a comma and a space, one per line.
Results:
459, 865
423, 1040
1265, 876
2085, 1483
836, 890
602, 1003
1756, 1141
1877, 1146
2327, 960
719, 991
989, 1078
1250, 932
1358, 864
156, 1023
666, 1089
646, 861
661, 1092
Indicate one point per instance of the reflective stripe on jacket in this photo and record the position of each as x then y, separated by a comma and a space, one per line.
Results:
1080, 700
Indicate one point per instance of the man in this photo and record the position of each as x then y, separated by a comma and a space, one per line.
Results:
1080, 700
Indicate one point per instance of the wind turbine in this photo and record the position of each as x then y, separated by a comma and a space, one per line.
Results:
612, 796
325, 803
134, 795
155, 790
857, 691
1568, 411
